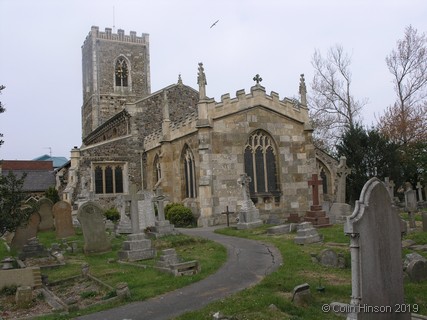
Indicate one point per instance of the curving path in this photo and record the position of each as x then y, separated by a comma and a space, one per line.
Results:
248, 262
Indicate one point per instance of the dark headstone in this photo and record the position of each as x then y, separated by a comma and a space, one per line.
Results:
63, 220
45, 211
25, 232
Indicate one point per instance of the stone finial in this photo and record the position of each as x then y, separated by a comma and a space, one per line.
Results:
303, 90
201, 81
179, 79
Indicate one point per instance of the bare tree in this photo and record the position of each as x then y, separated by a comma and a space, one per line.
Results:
406, 120
333, 108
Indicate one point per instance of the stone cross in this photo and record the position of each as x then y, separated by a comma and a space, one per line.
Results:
132, 200
411, 204
315, 183
420, 194
389, 184
228, 214
342, 172
244, 181
375, 231
160, 200
257, 78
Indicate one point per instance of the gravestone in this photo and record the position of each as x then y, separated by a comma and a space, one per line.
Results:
147, 216
417, 271
301, 295
329, 258
25, 232
132, 204
340, 210
170, 262
248, 213
424, 218
282, 229
389, 184
63, 219
137, 247
162, 226
125, 225
410, 204
91, 217
46, 215
33, 249
420, 193
316, 215
415, 266
375, 231
306, 234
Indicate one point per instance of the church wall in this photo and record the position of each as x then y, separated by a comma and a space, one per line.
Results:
229, 137
182, 101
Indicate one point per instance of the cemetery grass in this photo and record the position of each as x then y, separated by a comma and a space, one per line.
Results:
144, 282
256, 303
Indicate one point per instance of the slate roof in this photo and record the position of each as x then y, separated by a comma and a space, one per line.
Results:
36, 180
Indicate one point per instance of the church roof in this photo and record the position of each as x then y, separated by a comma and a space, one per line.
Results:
166, 89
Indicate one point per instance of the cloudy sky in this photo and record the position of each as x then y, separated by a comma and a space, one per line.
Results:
40, 57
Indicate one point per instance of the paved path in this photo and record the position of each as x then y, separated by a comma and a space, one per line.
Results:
248, 262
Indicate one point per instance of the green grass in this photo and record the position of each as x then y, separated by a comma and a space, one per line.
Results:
251, 304
143, 283
254, 303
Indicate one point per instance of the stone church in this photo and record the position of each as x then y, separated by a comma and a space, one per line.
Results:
179, 139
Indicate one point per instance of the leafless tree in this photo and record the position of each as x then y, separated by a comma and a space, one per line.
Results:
333, 108
406, 120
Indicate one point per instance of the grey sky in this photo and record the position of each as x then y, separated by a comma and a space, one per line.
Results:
40, 62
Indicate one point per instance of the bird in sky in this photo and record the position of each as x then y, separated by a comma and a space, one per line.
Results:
213, 24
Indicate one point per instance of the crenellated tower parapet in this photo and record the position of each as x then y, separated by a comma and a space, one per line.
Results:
119, 36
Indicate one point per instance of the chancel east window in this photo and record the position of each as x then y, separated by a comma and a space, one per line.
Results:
121, 72
108, 178
189, 173
261, 164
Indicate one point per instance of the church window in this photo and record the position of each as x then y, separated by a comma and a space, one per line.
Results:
189, 173
261, 164
324, 181
157, 170
108, 179
121, 72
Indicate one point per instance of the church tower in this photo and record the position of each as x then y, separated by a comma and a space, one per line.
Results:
116, 70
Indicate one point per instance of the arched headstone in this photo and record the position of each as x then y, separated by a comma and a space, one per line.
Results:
92, 219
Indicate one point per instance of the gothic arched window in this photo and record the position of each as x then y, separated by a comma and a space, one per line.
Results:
157, 171
261, 164
189, 173
121, 72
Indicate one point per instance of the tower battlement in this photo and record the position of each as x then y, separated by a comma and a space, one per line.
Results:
119, 36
